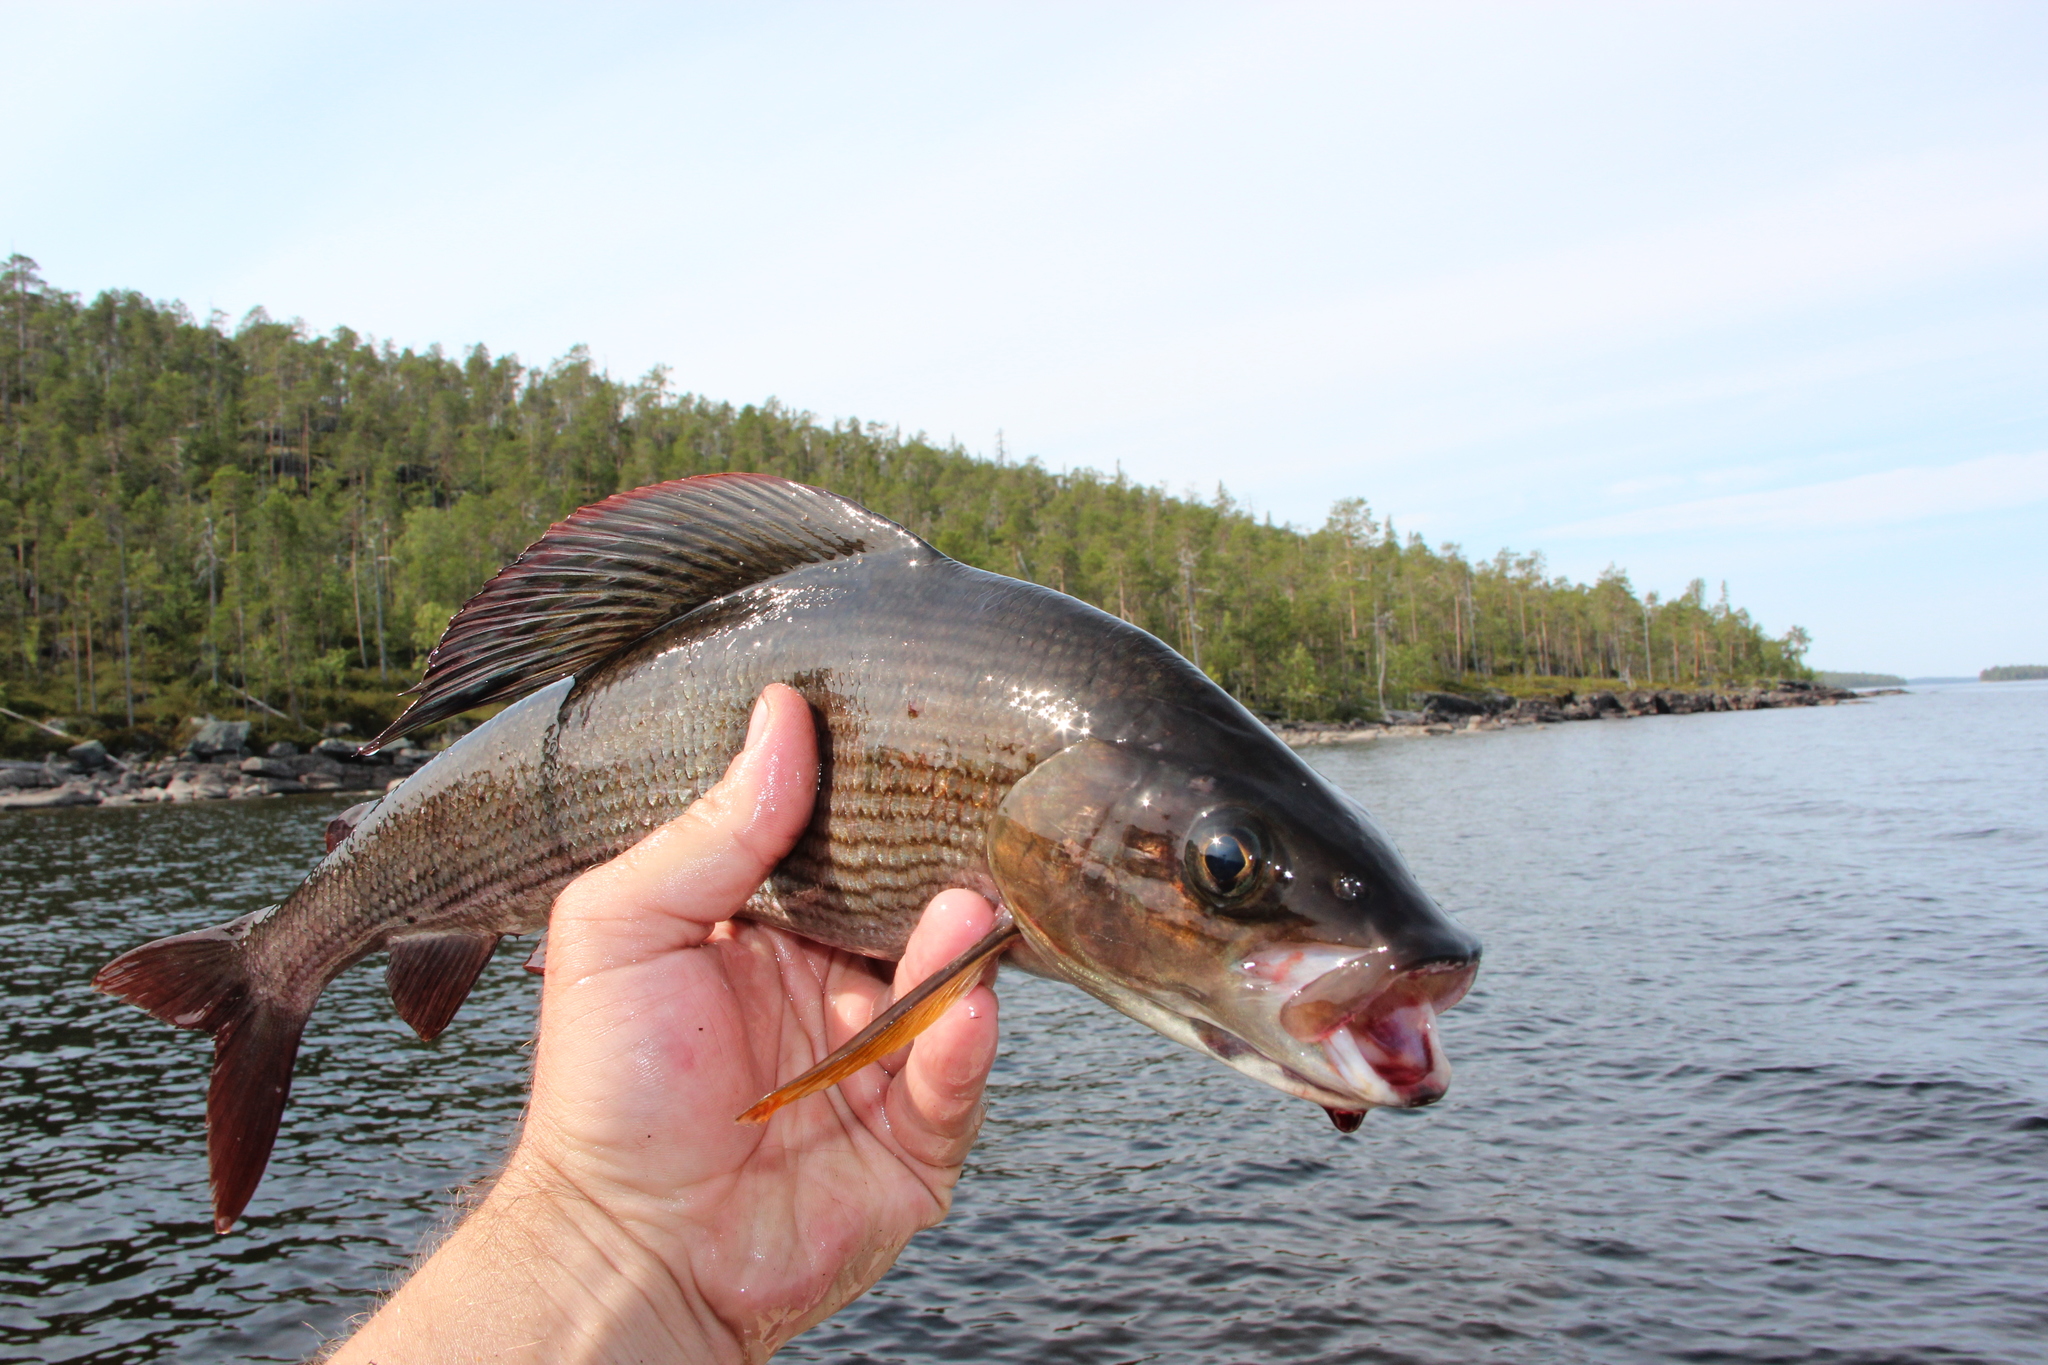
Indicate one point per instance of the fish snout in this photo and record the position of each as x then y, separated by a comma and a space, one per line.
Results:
1376, 1026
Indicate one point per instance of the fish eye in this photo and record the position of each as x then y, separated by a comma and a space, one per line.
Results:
1225, 857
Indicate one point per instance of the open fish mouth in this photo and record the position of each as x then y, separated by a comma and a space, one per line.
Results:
1375, 1027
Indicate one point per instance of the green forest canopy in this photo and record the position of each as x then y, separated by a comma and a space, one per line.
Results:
2013, 673
197, 515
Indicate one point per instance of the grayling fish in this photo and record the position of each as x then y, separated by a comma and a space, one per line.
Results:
1148, 839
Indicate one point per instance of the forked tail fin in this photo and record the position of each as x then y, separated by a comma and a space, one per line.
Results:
201, 980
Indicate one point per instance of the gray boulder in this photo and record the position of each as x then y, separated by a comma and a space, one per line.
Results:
317, 763
284, 748
342, 749
1540, 709
268, 767
1595, 707
25, 776
197, 786
70, 794
1450, 706
89, 757
217, 737
1444, 705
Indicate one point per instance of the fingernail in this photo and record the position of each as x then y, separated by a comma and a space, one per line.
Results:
757, 724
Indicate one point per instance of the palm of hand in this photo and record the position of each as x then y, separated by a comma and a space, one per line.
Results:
776, 1224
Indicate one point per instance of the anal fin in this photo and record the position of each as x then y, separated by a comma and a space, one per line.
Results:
896, 1026
431, 975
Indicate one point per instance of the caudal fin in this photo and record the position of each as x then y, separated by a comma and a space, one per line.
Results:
201, 980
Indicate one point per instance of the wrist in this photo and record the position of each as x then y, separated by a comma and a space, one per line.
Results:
602, 1281
538, 1271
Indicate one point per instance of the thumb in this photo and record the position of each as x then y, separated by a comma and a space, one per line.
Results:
667, 891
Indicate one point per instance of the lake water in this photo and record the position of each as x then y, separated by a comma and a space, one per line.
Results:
1756, 1071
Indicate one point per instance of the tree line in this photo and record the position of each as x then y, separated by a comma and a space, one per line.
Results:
201, 516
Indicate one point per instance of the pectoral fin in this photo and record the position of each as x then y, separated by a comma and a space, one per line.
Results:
897, 1025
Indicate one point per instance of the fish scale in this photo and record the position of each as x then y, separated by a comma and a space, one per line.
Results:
906, 797
974, 732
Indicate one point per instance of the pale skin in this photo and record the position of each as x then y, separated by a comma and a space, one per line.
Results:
635, 1220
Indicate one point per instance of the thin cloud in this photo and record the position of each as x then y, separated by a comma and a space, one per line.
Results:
1894, 497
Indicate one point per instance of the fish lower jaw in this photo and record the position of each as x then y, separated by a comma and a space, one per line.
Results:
1393, 1063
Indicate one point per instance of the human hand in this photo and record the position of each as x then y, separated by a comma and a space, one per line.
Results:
635, 1217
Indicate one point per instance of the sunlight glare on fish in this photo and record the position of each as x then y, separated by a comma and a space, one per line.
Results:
1052, 707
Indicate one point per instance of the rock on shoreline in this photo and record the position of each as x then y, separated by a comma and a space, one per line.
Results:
215, 768
1446, 713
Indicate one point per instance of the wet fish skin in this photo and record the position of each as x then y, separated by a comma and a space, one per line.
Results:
1092, 851
974, 731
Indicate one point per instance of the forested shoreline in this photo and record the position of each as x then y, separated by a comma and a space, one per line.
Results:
254, 520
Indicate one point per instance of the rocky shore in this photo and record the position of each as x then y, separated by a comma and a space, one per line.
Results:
216, 765
1445, 713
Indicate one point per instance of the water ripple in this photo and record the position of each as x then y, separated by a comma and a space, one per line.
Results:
1757, 1072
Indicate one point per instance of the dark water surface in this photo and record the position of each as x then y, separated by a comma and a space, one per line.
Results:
1756, 1071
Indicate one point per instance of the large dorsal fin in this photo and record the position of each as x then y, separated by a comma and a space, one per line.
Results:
610, 574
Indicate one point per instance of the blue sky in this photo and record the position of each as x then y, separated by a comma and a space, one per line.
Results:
1743, 292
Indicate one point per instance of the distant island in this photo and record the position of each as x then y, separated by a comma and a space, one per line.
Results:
1831, 679
258, 522
2014, 673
